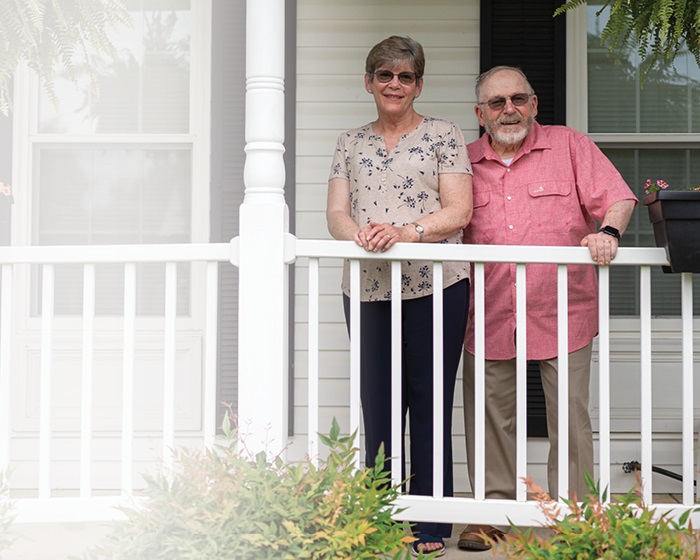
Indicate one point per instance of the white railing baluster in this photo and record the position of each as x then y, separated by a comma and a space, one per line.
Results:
646, 386
128, 360
355, 350
604, 380
169, 350
397, 436
563, 378
87, 506
87, 374
438, 382
47, 317
479, 403
521, 382
211, 334
688, 412
313, 357
6, 310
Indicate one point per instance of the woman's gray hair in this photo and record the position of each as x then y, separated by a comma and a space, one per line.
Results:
484, 76
394, 50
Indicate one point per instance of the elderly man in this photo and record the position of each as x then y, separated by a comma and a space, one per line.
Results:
535, 185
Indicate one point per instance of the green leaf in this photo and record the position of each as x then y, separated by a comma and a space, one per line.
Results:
660, 29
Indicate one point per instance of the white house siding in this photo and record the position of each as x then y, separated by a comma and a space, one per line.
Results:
333, 39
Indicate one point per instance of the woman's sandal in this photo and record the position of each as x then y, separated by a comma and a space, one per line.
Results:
424, 539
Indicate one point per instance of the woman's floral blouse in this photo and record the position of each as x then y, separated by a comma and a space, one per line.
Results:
400, 188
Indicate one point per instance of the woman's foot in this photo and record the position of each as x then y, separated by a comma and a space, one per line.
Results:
427, 544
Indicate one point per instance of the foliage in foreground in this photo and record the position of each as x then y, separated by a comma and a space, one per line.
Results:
7, 514
625, 529
660, 29
44, 33
227, 503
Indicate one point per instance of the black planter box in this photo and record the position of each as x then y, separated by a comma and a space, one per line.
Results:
675, 216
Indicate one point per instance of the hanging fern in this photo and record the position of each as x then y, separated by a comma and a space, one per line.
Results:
45, 33
659, 29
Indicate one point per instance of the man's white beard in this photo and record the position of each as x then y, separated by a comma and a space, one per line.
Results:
509, 138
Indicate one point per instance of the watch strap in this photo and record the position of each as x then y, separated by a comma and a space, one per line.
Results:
420, 230
609, 230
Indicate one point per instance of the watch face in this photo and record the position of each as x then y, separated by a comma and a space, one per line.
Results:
419, 228
611, 231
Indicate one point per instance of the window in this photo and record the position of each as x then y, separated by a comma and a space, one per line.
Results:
117, 163
649, 130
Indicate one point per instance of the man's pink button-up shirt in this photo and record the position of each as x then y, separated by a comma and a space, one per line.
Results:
555, 188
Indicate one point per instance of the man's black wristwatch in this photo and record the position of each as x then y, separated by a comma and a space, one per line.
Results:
609, 230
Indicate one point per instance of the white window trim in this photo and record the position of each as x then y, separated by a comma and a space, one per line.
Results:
25, 138
577, 69
577, 92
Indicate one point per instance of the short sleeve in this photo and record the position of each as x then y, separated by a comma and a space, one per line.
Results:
341, 159
453, 155
599, 183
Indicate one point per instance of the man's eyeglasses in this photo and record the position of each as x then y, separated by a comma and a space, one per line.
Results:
497, 103
385, 76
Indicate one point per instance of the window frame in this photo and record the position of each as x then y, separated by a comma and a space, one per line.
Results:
27, 140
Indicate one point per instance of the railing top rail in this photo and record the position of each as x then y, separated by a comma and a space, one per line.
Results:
478, 253
188, 252
97, 254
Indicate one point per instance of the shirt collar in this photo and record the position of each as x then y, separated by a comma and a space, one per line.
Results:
537, 139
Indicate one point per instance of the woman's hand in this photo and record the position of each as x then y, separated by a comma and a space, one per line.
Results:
372, 237
377, 237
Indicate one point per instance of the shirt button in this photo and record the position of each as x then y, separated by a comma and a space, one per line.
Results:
508, 170
510, 226
509, 197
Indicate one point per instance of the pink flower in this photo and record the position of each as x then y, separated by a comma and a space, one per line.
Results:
650, 187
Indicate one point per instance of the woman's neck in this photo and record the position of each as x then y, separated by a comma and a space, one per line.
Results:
387, 126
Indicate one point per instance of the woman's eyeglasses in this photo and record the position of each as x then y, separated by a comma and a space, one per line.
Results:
497, 103
384, 77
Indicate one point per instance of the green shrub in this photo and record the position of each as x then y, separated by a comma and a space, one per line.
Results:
625, 529
227, 503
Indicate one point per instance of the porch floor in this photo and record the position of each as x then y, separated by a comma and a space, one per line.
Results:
48, 541
43, 541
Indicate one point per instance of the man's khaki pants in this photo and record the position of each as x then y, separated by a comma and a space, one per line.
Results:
500, 396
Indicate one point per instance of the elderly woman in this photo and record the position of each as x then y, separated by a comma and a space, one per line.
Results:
404, 178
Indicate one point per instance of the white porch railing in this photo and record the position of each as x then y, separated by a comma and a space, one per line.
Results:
46, 506
520, 511
87, 505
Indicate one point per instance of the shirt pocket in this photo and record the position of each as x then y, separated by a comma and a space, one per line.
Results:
553, 206
481, 199
480, 229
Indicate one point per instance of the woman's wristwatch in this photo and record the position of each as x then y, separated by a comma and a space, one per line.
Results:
420, 230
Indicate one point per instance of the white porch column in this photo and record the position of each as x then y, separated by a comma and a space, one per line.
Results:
264, 221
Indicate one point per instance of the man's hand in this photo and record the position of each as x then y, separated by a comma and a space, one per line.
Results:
603, 247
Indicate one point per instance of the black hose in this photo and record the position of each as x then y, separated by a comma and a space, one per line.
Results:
632, 466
